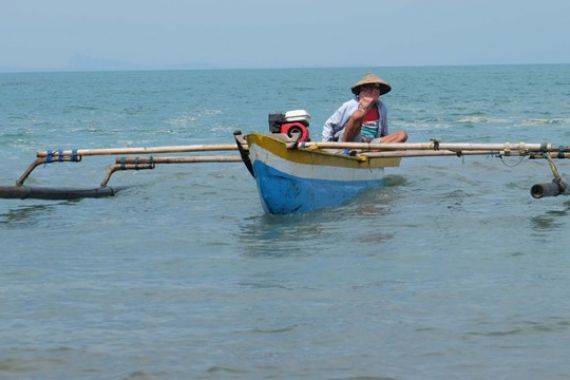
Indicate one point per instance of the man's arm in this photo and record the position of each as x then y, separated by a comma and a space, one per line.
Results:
331, 124
354, 124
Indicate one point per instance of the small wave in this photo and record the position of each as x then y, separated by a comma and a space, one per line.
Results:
498, 333
138, 375
478, 119
188, 118
422, 126
545, 121
134, 110
16, 135
167, 132
262, 286
526, 327
275, 330
78, 107
182, 120
32, 363
17, 117
15, 84
228, 370
13, 366
367, 378
223, 130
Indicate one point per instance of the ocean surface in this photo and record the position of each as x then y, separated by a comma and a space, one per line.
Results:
452, 271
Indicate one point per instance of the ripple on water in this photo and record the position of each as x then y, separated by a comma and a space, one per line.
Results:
523, 328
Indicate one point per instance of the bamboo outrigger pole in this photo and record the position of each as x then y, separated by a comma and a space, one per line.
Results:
75, 155
55, 154
434, 145
149, 163
434, 153
437, 153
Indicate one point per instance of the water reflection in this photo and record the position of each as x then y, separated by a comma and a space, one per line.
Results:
301, 234
395, 181
25, 215
283, 235
551, 219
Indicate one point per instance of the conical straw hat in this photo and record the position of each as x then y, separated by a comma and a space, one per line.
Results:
371, 79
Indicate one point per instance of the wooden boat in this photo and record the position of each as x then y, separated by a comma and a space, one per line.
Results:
301, 180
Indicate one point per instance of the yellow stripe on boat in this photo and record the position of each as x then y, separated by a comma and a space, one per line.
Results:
277, 145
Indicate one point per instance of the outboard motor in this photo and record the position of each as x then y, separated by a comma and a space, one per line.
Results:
291, 123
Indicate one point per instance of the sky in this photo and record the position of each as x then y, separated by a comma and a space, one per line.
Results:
40, 35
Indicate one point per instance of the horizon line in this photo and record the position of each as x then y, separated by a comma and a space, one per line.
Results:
308, 67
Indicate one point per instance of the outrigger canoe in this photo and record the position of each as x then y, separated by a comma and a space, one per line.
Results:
302, 180
291, 175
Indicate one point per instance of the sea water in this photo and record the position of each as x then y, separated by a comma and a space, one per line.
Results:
450, 271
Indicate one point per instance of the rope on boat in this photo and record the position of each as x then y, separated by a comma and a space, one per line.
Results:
502, 157
554, 169
435, 144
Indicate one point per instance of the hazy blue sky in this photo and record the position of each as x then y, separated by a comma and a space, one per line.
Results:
124, 34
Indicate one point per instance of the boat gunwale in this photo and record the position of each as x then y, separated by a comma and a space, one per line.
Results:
277, 144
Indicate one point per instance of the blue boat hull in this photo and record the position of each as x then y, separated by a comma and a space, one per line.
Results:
282, 193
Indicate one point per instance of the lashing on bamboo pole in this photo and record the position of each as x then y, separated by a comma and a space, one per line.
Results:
46, 160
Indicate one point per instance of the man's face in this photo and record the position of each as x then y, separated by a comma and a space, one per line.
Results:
370, 91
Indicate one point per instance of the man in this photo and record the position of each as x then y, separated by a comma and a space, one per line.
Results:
365, 118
